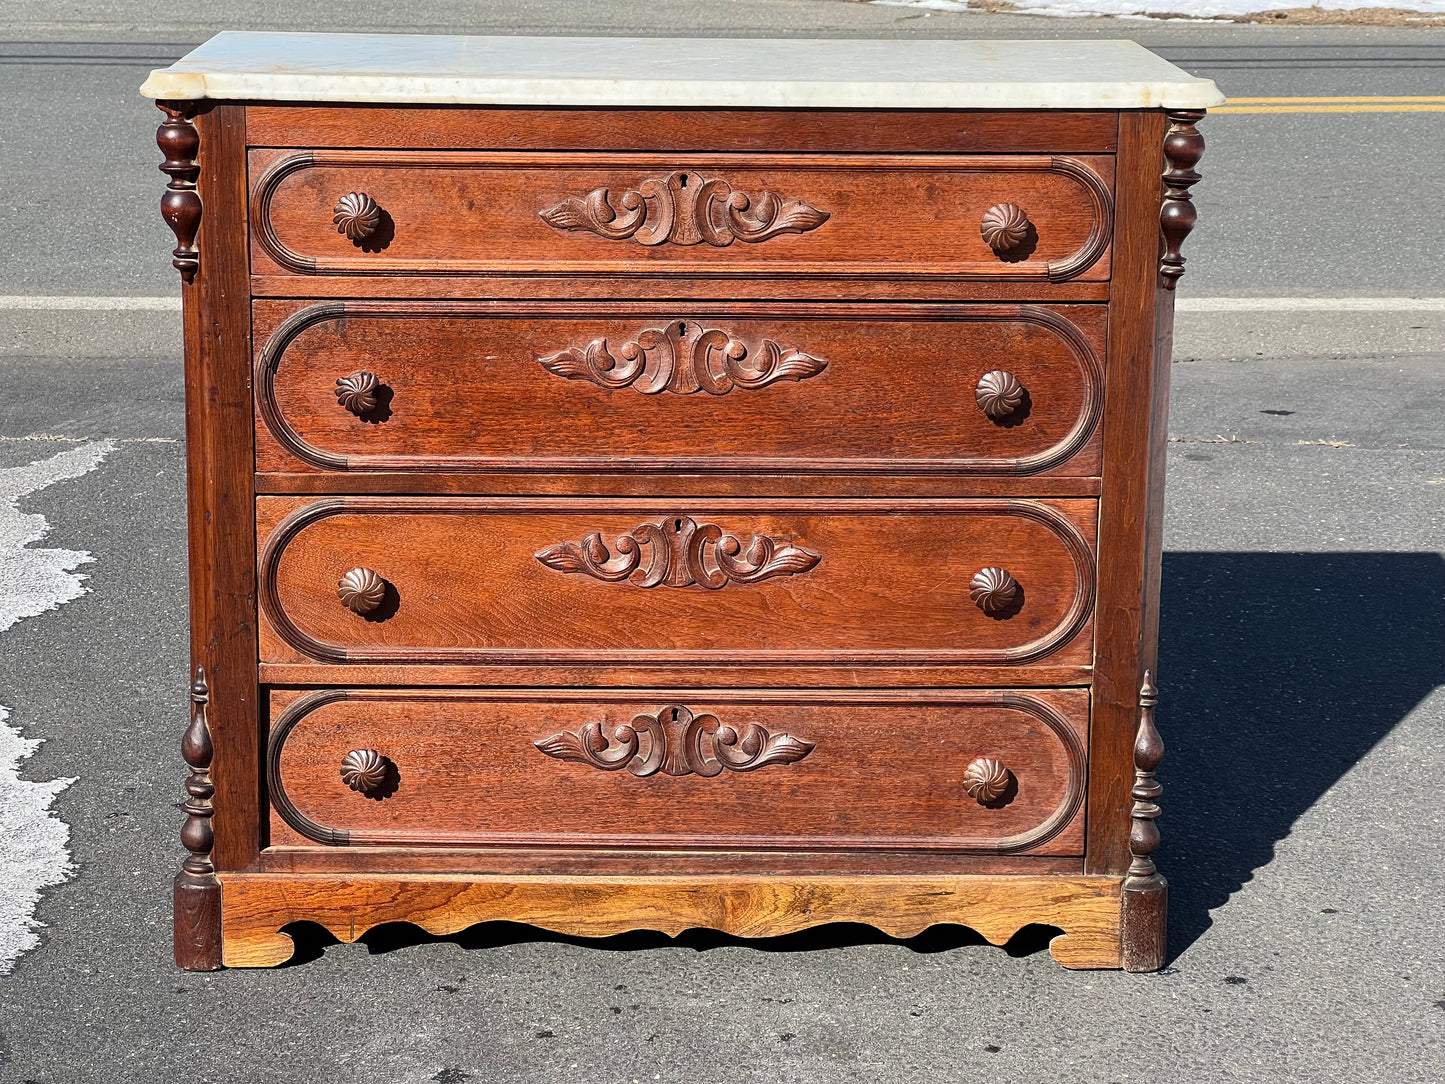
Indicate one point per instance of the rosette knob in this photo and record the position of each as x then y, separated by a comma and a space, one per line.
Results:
999, 393
993, 590
357, 392
364, 770
1004, 226
356, 216
361, 590
986, 780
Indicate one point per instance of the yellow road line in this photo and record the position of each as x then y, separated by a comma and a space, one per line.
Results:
1328, 109
1420, 103
1375, 98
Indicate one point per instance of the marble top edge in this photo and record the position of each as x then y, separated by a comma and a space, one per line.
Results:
733, 72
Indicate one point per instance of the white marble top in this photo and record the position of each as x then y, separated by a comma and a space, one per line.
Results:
738, 72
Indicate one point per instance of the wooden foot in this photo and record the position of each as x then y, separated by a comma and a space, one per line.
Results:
256, 906
197, 919
1145, 922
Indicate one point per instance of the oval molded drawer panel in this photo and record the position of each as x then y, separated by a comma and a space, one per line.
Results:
704, 583
557, 388
354, 212
973, 771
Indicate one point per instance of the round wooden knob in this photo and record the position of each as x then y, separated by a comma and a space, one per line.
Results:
1004, 226
357, 392
364, 770
357, 216
993, 590
985, 780
361, 590
999, 393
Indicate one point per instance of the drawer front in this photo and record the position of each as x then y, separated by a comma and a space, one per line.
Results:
352, 212
856, 583
969, 772
556, 388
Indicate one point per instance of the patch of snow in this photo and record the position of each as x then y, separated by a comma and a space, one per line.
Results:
1200, 9
33, 840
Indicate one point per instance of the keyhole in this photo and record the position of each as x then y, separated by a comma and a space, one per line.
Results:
679, 524
682, 329
683, 179
674, 715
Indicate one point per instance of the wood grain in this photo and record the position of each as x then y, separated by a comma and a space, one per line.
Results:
256, 906
219, 475
891, 587
1136, 406
643, 483
466, 389
885, 772
293, 853
481, 213
662, 286
785, 130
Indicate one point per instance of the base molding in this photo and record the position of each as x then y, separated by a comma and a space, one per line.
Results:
254, 907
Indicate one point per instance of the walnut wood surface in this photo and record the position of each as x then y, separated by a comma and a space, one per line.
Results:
482, 213
292, 853
467, 388
256, 906
882, 774
661, 286
219, 476
892, 585
1131, 507
638, 483
879, 462
776, 130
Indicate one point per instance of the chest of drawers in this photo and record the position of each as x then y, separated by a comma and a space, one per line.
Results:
633, 488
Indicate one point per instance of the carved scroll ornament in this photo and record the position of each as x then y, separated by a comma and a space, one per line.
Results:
684, 208
683, 357
677, 743
681, 552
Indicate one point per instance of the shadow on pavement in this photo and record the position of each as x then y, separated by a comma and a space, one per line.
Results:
1278, 672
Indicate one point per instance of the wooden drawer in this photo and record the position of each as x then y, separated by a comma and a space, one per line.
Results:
707, 584
706, 770
381, 212
556, 388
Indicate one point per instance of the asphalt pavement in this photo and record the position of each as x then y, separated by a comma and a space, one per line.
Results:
1301, 670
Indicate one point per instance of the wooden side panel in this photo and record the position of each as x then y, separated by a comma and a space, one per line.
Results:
219, 476
977, 772
256, 906
573, 389
741, 583
1131, 507
785, 130
711, 216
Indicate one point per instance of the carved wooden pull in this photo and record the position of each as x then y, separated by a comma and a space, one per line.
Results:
994, 591
357, 216
681, 552
364, 770
684, 208
361, 590
999, 393
684, 357
357, 392
986, 780
677, 743
1004, 226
